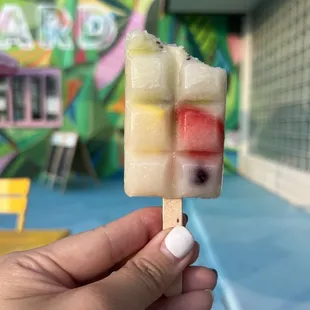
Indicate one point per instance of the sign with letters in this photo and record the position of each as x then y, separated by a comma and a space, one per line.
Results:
97, 29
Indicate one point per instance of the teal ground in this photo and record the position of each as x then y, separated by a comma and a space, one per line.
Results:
258, 242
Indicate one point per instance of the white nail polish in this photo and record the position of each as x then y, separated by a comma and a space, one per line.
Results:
179, 241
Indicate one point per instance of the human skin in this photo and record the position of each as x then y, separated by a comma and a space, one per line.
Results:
124, 265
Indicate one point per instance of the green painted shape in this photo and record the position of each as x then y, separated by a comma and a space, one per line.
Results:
233, 102
118, 90
11, 169
26, 138
21, 167
182, 37
105, 119
38, 152
92, 56
68, 125
78, 72
105, 92
102, 128
164, 28
195, 50
59, 58
221, 28
203, 37
28, 9
83, 73
5, 149
84, 111
229, 167
108, 163
85, 101
125, 5
111, 92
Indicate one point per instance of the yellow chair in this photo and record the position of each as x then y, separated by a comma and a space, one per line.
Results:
14, 198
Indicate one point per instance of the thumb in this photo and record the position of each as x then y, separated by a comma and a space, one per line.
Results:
151, 272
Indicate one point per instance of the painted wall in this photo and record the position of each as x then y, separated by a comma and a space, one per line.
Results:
93, 80
210, 39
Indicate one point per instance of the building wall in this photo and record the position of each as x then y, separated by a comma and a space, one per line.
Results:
276, 151
93, 81
280, 118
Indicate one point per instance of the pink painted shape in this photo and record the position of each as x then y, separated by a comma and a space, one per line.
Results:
77, 25
111, 64
236, 48
4, 161
34, 124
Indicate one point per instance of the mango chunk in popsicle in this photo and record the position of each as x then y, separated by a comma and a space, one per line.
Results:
143, 134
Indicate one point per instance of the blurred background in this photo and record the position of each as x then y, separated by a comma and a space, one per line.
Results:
255, 234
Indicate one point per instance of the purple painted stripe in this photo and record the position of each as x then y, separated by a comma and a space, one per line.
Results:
39, 71
4, 161
33, 124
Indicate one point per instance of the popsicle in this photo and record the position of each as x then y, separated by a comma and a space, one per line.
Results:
174, 125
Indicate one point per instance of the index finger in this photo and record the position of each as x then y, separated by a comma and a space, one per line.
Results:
89, 254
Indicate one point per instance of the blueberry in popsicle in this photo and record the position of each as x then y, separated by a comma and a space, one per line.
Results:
174, 126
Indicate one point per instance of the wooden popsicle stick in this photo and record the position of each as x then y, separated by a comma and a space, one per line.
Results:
173, 216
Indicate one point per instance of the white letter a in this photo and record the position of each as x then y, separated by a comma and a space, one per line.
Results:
14, 29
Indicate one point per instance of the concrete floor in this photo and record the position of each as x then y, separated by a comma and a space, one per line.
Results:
257, 242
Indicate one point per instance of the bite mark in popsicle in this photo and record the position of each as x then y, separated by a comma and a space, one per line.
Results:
200, 82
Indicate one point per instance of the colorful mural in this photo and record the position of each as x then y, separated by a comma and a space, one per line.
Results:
209, 39
91, 60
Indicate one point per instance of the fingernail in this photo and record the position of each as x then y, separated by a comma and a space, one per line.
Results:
179, 242
216, 273
211, 294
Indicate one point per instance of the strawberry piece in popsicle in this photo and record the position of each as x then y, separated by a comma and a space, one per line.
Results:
198, 129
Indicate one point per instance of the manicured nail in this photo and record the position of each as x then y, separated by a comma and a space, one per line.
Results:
179, 242
211, 294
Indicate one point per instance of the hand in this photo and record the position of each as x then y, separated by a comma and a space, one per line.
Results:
126, 265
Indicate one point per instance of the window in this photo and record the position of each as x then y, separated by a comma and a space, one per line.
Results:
37, 98
32, 98
280, 105
53, 102
18, 92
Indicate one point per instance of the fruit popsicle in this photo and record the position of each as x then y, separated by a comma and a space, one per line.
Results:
174, 121
174, 126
